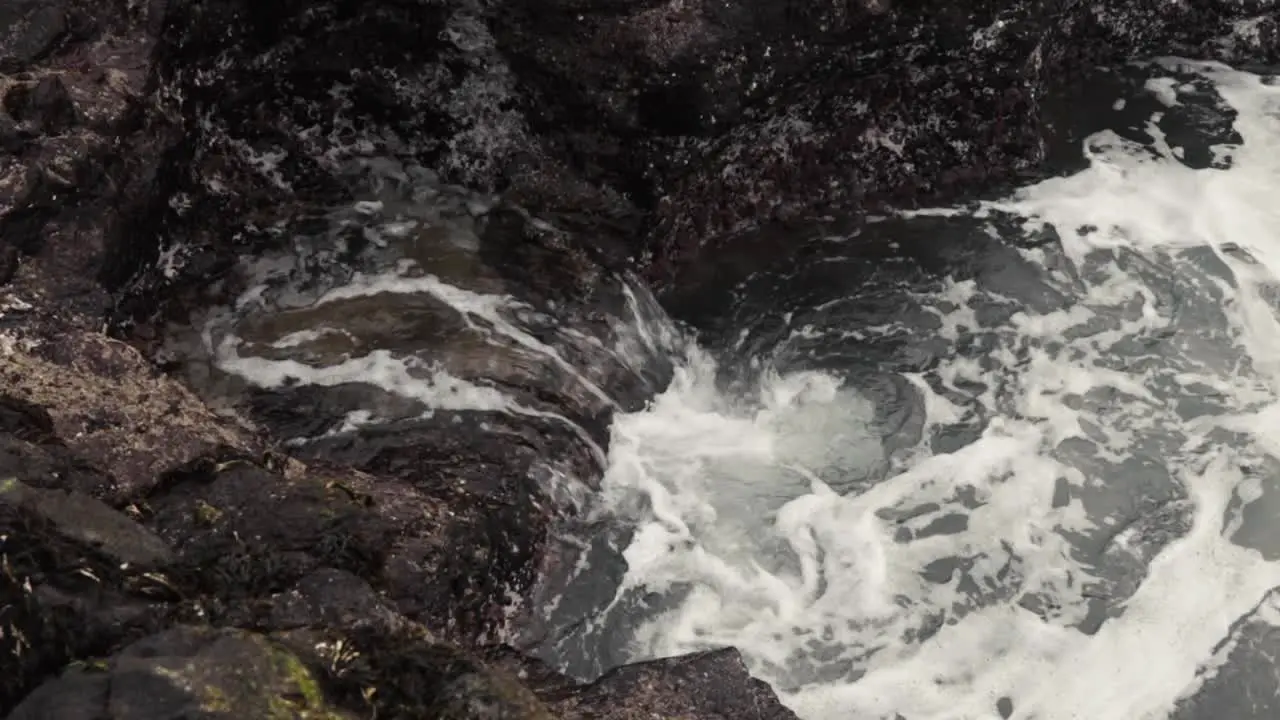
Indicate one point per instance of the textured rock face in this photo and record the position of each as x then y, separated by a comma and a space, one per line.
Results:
712, 684
822, 119
109, 403
155, 547
187, 672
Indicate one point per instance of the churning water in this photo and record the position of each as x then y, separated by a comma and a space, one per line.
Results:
1044, 489
1038, 483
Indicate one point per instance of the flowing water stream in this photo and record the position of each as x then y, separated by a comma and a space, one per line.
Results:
1038, 483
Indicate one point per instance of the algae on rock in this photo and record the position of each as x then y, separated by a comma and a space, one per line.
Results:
188, 672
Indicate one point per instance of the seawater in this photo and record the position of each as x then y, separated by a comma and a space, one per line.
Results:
1076, 518
1039, 484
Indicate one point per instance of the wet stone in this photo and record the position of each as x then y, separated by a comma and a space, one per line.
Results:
710, 684
332, 598
186, 672
88, 520
46, 106
8, 254
30, 29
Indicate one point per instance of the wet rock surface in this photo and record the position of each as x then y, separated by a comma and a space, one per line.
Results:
165, 553
186, 672
712, 684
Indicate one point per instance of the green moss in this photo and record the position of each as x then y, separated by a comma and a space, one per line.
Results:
312, 705
92, 665
8, 485
207, 514
301, 676
214, 700
272, 685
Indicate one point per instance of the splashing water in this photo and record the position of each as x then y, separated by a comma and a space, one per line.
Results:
1052, 502
1101, 546
394, 311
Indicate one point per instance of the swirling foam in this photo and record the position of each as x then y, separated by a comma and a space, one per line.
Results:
1091, 555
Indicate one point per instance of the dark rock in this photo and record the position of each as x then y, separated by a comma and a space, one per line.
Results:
283, 123
31, 29
437, 551
479, 489
46, 106
24, 420
49, 465
63, 191
12, 137
186, 672
408, 676
8, 263
542, 260
244, 533
736, 120
89, 521
112, 409
705, 685
65, 599
334, 599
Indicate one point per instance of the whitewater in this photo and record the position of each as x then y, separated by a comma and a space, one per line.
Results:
1101, 545
1040, 491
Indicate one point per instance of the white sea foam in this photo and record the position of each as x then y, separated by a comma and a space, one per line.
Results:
420, 369
843, 601
491, 310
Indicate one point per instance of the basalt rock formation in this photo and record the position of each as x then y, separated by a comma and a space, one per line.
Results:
164, 555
